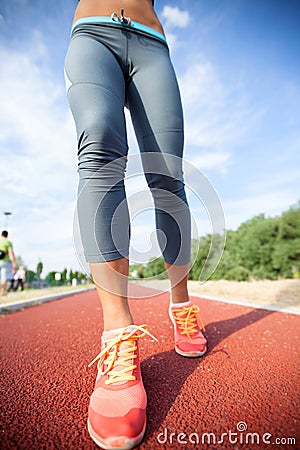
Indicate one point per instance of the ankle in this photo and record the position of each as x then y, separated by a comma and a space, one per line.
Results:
114, 324
182, 298
179, 294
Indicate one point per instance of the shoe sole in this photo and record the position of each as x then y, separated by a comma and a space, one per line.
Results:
180, 352
190, 355
116, 442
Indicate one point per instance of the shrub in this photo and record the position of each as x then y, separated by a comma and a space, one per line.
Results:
238, 273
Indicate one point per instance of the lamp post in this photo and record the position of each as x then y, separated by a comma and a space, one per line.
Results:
6, 220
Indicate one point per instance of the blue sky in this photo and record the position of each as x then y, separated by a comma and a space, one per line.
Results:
238, 66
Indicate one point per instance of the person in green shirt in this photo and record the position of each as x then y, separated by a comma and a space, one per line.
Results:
7, 262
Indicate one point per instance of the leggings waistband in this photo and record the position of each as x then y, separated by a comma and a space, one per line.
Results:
133, 26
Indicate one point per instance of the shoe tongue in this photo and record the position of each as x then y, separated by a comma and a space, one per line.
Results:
111, 334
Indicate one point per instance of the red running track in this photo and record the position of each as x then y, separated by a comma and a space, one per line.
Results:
248, 378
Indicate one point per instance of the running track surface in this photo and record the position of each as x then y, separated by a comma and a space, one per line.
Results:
248, 378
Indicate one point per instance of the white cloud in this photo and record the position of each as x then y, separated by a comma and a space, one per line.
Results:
172, 40
217, 160
215, 114
283, 178
269, 203
237, 211
175, 17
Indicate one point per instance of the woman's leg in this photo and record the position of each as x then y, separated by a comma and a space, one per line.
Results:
157, 116
156, 111
178, 276
116, 312
117, 408
96, 96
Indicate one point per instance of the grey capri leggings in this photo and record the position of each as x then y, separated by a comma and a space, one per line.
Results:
109, 66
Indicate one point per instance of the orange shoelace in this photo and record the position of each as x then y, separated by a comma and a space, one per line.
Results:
111, 356
186, 319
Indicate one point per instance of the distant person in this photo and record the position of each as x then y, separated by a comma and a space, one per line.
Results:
11, 283
19, 278
7, 262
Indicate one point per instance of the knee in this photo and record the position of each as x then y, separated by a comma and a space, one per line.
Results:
166, 186
163, 171
97, 138
100, 149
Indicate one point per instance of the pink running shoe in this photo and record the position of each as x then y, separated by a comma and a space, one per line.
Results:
117, 410
189, 341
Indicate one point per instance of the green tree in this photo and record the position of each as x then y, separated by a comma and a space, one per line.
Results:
64, 276
238, 273
260, 248
201, 250
286, 255
50, 278
156, 268
30, 276
39, 269
136, 270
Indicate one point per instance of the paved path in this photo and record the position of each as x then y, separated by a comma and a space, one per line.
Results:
249, 377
